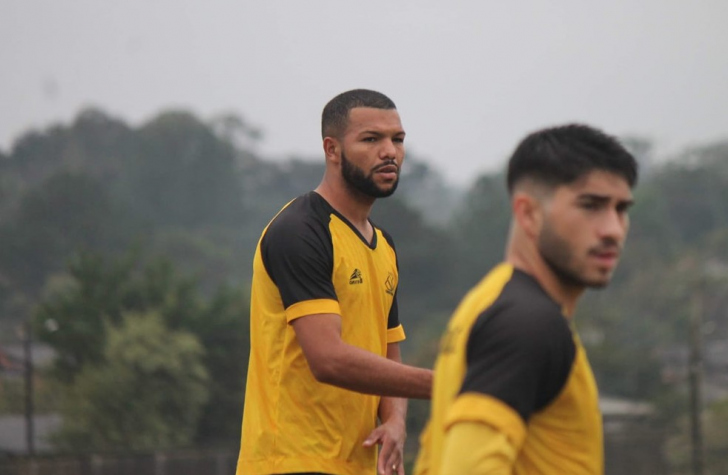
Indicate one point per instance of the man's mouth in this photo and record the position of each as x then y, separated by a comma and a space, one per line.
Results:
387, 171
607, 257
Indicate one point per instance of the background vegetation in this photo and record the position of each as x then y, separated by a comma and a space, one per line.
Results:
130, 250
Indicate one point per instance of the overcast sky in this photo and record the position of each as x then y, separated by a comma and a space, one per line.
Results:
470, 78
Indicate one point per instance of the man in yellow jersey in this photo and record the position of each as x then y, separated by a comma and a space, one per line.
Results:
513, 391
325, 361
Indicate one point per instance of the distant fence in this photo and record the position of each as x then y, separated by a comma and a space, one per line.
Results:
159, 463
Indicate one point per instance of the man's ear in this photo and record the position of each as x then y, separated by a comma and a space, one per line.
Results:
528, 213
332, 149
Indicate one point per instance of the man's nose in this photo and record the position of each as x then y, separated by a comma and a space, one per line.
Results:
388, 150
614, 226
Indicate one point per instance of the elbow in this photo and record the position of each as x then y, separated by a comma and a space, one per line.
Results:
324, 371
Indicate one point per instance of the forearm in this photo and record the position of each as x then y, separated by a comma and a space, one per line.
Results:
358, 370
333, 361
393, 408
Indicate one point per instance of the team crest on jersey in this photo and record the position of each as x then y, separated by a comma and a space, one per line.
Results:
389, 284
356, 277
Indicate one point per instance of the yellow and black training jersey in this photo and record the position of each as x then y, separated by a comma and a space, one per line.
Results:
311, 260
510, 360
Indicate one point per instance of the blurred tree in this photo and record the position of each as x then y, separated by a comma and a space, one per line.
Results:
715, 425
235, 130
716, 436
223, 328
694, 186
267, 186
183, 175
71, 317
198, 195
426, 190
66, 213
146, 393
74, 319
95, 145
481, 229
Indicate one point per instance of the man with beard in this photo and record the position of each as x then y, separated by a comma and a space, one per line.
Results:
324, 326
513, 391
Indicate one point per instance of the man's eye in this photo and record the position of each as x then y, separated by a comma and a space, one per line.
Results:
623, 208
398, 140
369, 139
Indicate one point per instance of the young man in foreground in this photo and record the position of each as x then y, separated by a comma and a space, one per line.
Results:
513, 390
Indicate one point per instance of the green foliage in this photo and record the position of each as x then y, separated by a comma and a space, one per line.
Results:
182, 174
97, 291
223, 328
74, 199
13, 396
481, 229
146, 393
65, 213
99, 185
75, 317
694, 190
424, 189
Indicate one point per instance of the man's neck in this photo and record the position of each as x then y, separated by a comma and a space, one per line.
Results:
566, 296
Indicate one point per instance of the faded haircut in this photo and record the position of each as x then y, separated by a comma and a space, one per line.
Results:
561, 155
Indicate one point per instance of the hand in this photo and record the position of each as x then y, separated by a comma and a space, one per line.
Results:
391, 436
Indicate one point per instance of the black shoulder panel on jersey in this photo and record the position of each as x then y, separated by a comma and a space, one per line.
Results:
388, 238
521, 349
297, 250
393, 320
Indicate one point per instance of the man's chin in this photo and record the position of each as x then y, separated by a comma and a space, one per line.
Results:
386, 190
599, 282
386, 193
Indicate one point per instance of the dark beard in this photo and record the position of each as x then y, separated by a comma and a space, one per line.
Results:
357, 180
557, 255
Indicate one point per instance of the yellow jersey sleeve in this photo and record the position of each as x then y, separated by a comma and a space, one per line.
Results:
492, 454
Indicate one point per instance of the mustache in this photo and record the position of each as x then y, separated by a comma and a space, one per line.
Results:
607, 245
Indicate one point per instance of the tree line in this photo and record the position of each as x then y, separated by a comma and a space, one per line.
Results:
130, 249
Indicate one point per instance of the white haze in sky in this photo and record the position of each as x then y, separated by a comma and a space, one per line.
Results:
470, 78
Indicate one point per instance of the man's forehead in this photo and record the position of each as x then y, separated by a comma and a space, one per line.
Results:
363, 117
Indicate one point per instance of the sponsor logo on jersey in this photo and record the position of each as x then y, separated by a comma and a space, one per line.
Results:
356, 277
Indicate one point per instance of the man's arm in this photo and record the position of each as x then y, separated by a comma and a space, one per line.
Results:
333, 361
476, 448
392, 431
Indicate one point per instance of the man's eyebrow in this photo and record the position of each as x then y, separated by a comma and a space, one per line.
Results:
593, 197
380, 133
603, 198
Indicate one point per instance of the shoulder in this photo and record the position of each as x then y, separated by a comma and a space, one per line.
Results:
300, 231
520, 349
523, 314
305, 213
